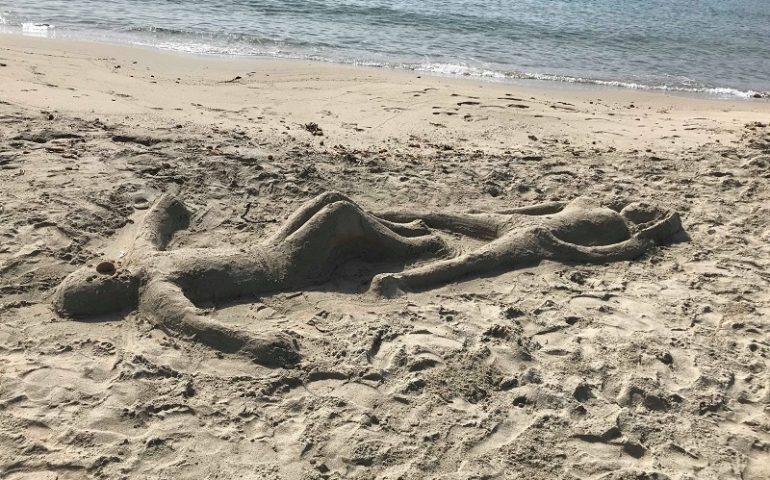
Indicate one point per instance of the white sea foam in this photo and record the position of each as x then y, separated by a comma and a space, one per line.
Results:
38, 29
721, 91
470, 71
443, 69
458, 70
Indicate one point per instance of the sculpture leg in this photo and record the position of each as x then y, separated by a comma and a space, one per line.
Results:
312, 207
341, 231
545, 208
305, 213
414, 228
478, 225
167, 307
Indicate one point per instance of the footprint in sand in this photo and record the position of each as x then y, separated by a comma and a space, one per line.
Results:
620, 313
337, 385
58, 385
414, 351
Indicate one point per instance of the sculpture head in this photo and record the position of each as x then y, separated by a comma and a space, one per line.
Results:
651, 221
584, 221
91, 291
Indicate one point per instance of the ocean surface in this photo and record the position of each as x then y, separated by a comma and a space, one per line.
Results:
719, 47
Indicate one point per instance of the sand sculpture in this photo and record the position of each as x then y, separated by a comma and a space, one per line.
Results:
578, 231
166, 285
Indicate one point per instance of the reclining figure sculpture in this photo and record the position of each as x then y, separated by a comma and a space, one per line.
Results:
330, 229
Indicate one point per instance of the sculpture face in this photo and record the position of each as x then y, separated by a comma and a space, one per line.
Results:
88, 292
642, 213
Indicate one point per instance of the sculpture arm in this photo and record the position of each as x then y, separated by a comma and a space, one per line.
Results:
552, 248
545, 208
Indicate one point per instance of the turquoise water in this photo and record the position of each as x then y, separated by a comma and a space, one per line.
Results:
715, 46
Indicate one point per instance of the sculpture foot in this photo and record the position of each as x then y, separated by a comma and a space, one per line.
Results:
273, 350
388, 285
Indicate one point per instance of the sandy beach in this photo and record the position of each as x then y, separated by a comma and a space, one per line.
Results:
653, 368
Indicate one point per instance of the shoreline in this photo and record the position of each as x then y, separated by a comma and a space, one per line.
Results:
539, 79
355, 106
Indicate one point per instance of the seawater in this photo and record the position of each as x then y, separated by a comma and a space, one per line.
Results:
720, 47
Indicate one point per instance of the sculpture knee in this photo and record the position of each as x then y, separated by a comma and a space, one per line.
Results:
329, 198
343, 208
345, 218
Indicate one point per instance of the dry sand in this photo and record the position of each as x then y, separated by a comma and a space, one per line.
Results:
650, 369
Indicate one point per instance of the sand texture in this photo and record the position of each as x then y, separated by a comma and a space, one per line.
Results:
556, 366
